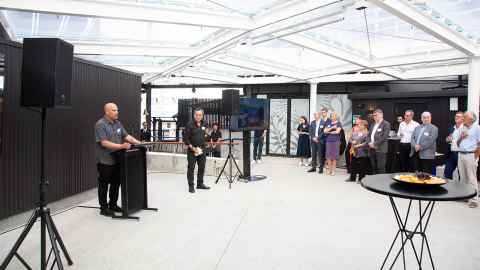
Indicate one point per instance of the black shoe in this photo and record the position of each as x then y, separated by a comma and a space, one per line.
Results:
106, 212
349, 180
191, 189
320, 171
115, 208
202, 186
312, 170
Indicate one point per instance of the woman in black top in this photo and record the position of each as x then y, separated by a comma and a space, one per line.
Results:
303, 145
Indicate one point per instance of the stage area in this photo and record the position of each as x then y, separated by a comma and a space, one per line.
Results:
292, 220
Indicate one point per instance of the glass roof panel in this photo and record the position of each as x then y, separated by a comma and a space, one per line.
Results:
431, 65
243, 7
287, 55
464, 13
223, 69
386, 33
115, 60
26, 24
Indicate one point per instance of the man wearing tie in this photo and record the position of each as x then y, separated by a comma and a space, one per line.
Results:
317, 138
378, 142
424, 144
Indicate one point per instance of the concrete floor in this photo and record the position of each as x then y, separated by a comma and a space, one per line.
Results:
292, 220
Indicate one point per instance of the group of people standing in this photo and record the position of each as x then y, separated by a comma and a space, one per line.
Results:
321, 140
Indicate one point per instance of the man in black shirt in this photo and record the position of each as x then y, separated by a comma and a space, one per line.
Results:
215, 138
110, 136
195, 140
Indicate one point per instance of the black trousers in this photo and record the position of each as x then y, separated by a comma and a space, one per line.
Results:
451, 163
378, 160
406, 163
358, 166
348, 158
423, 165
108, 175
216, 153
192, 160
318, 154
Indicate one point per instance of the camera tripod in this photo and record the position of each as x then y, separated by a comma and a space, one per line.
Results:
41, 212
231, 161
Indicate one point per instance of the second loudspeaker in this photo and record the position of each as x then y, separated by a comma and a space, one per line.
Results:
230, 101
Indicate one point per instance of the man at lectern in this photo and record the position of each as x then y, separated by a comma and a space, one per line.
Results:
194, 138
110, 136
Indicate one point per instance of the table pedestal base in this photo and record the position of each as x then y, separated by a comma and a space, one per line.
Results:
407, 235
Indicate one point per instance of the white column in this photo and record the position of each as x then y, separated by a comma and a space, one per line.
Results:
313, 99
474, 85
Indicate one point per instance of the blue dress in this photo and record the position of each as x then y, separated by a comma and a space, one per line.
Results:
303, 145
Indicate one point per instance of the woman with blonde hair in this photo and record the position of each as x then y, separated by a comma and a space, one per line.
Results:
359, 153
332, 130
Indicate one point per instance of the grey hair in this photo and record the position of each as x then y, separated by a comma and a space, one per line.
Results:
378, 111
424, 114
474, 115
198, 110
410, 111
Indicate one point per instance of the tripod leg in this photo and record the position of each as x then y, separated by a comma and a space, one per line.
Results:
60, 240
238, 167
23, 262
223, 169
20, 240
53, 242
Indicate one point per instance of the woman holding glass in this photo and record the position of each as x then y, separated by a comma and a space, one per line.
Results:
332, 130
359, 152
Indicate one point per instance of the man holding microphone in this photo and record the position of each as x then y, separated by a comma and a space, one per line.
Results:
110, 136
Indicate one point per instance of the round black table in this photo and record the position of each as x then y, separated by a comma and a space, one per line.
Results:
385, 185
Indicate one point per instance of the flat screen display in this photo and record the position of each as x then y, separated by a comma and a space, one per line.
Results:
254, 115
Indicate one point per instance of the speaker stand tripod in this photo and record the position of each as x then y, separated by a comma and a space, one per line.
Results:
231, 161
42, 212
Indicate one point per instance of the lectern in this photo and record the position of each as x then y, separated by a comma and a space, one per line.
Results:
133, 181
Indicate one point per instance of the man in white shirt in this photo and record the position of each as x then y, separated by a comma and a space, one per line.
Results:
405, 131
468, 140
451, 157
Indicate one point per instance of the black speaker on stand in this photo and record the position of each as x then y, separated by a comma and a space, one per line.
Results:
230, 107
46, 83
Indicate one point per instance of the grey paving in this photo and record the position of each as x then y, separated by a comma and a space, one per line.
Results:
293, 220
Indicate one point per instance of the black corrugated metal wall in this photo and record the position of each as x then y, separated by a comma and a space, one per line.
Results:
70, 136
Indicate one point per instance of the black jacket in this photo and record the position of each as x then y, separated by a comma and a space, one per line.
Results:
195, 135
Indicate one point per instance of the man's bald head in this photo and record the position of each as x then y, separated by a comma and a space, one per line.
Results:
111, 111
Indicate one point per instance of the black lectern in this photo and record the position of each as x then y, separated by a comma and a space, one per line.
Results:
133, 181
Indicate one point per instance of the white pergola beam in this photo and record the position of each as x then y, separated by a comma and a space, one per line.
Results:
334, 71
268, 20
409, 14
357, 77
130, 11
211, 77
216, 46
260, 67
418, 58
305, 42
432, 72
83, 48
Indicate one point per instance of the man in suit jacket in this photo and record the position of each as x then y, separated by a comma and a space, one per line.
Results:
424, 144
317, 139
378, 142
